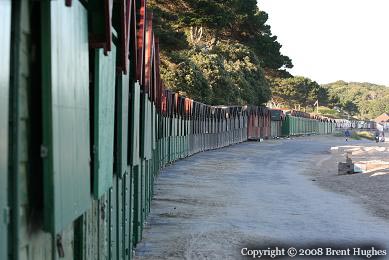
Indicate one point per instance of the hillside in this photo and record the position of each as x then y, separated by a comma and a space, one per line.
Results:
362, 100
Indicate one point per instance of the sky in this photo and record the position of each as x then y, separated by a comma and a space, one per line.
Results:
331, 40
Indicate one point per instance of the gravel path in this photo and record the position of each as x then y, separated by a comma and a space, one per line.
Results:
255, 195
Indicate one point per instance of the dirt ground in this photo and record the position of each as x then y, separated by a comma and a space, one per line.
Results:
370, 188
259, 195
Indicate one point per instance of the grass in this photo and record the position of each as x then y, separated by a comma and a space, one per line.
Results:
357, 135
328, 112
339, 134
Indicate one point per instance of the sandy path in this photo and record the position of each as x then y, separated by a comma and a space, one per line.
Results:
371, 188
254, 194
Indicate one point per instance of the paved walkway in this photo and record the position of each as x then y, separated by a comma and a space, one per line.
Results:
254, 195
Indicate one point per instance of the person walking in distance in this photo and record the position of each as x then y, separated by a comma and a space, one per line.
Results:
377, 136
347, 134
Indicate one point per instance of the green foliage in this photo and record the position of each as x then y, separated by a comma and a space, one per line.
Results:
187, 79
338, 134
363, 100
219, 80
297, 91
246, 74
228, 74
217, 51
170, 38
214, 14
358, 135
328, 112
273, 59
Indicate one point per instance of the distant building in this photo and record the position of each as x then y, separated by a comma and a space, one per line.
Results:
383, 122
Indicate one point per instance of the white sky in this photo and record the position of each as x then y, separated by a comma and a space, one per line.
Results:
331, 40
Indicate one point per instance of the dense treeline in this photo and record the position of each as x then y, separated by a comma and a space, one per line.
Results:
218, 51
297, 92
359, 100
362, 100
223, 52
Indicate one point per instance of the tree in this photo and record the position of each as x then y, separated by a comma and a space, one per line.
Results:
225, 44
363, 100
187, 79
297, 91
209, 21
170, 37
246, 73
229, 74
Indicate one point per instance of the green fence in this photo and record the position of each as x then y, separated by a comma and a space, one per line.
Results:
294, 126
